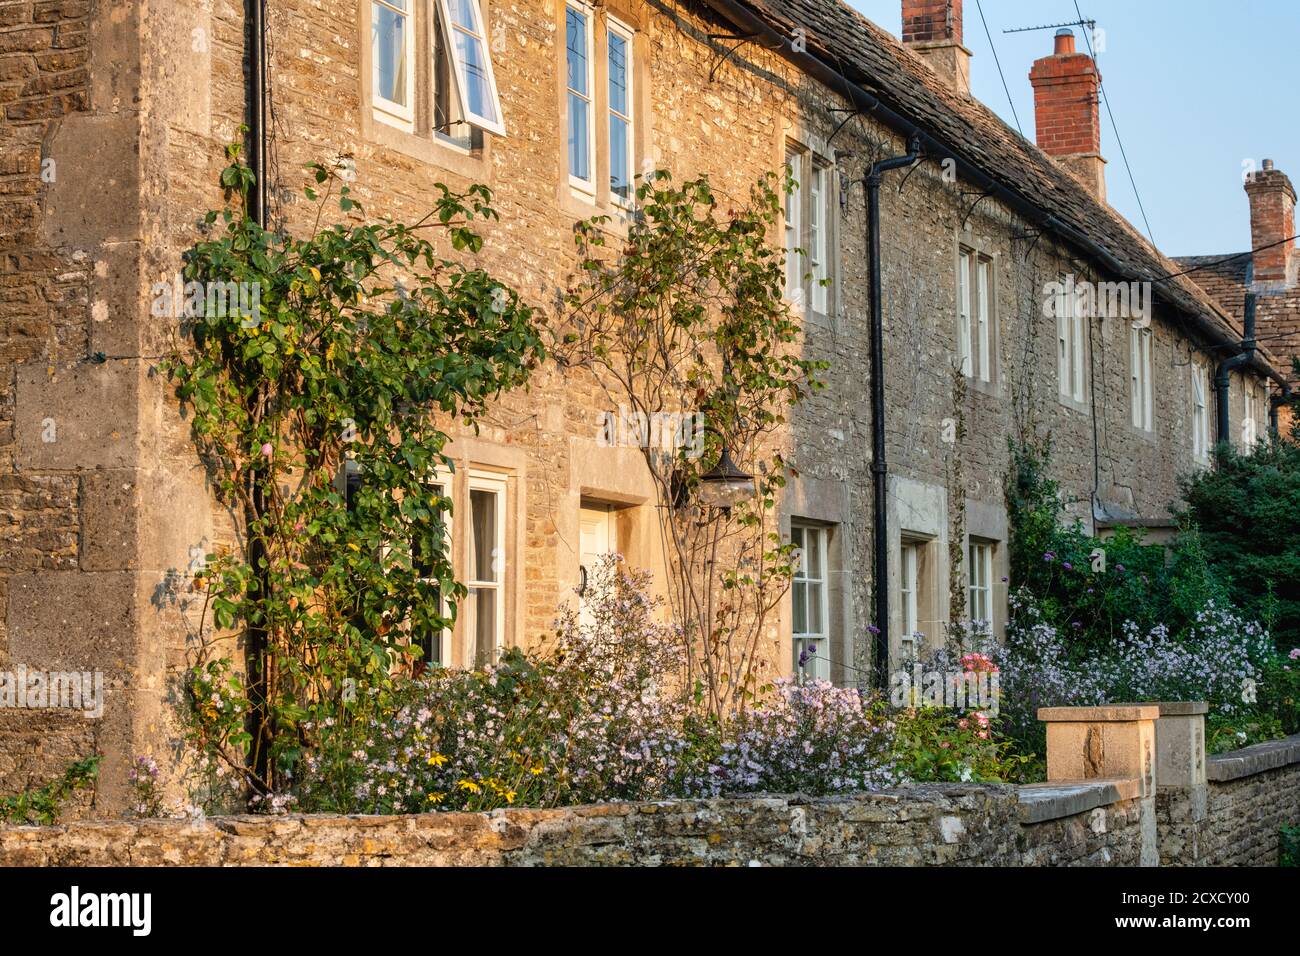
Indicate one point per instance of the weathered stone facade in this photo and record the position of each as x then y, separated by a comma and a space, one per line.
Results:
133, 100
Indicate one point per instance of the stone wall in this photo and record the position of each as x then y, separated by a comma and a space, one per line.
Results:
956, 825
1234, 820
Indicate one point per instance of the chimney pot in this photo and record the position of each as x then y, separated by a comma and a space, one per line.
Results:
1064, 41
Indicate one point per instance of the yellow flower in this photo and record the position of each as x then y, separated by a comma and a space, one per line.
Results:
470, 785
437, 760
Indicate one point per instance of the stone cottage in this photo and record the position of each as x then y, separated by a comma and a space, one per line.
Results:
114, 116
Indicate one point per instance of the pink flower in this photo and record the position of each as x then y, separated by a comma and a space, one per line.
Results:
1295, 654
266, 450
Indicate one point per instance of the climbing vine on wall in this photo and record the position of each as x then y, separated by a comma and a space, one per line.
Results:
361, 337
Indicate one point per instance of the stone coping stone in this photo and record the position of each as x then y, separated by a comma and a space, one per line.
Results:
1258, 758
1182, 708
1102, 714
1040, 802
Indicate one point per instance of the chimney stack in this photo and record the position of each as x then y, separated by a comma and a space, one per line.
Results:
932, 28
1067, 120
1272, 220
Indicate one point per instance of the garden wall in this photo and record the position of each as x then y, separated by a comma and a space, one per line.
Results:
1233, 820
958, 824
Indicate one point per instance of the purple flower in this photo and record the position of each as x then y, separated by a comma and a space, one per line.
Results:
1119, 568
1067, 565
873, 629
1049, 556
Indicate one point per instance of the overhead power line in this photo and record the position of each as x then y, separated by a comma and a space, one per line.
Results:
1123, 154
1007, 89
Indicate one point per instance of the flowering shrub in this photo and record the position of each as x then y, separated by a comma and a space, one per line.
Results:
812, 738
143, 778
1218, 659
596, 717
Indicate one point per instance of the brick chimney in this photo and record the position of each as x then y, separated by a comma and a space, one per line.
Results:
1272, 219
1067, 121
932, 28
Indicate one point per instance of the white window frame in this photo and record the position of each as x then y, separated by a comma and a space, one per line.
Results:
394, 113
964, 322
498, 485
1141, 367
460, 70
979, 580
819, 668
819, 241
628, 36
586, 186
1069, 335
1200, 410
793, 217
909, 588
984, 324
1249, 429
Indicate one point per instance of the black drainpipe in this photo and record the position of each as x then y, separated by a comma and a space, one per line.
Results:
1223, 374
257, 99
255, 655
879, 467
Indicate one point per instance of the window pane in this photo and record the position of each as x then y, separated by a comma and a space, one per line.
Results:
577, 46
484, 632
814, 553
814, 602
618, 74
483, 541
478, 96
619, 159
579, 158
799, 593
464, 15
388, 31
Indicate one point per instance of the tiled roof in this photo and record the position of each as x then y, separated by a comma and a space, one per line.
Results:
1222, 276
875, 60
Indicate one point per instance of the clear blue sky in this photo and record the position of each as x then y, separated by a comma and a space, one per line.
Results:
1196, 86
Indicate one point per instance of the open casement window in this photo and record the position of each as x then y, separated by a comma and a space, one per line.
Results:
809, 597
483, 612
581, 82
979, 585
1200, 411
1140, 369
476, 88
1069, 343
392, 47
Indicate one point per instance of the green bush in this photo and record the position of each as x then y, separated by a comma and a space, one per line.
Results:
1248, 511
